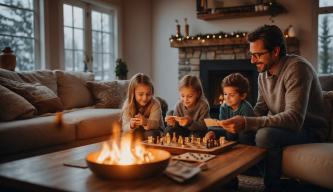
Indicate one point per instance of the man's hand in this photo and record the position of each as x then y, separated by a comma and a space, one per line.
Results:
170, 120
234, 124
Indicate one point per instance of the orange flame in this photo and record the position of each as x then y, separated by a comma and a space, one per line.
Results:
123, 150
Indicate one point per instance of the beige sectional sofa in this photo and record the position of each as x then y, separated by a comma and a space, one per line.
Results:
29, 101
313, 163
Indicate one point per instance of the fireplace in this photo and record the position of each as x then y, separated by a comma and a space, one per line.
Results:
212, 73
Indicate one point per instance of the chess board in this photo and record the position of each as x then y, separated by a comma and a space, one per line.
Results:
176, 149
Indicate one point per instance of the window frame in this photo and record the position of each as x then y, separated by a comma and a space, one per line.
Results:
37, 37
112, 36
320, 10
88, 7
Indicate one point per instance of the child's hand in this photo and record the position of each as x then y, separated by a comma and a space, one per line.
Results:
184, 121
210, 135
134, 123
170, 120
141, 120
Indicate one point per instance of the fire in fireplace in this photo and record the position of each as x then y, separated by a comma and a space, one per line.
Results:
212, 73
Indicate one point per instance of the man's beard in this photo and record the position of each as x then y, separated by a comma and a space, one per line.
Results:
266, 67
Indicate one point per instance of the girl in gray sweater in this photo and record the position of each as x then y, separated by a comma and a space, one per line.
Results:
190, 112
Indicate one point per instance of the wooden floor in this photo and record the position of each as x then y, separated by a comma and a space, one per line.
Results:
47, 172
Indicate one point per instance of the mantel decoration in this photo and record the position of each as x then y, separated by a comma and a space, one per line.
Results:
121, 69
219, 39
203, 37
187, 28
177, 27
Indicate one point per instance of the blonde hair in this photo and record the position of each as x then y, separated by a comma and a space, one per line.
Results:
191, 81
130, 103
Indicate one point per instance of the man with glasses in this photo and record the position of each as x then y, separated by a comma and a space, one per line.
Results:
289, 109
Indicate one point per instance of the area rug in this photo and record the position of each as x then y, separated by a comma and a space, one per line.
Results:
250, 184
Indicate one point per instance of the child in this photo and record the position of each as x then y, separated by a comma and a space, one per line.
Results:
235, 88
141, 111
190, 112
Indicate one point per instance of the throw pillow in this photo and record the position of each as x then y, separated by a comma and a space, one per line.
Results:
107, 94
14, 106
10, 75
38, 95
44, 77
72, 89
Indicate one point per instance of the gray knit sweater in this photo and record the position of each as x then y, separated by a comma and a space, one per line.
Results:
290, 100
198, 113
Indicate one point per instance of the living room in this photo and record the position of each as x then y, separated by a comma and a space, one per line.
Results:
143, 34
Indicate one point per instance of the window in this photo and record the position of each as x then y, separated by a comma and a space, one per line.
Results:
102, 45
88, 39
325, 36
18, 26
73, 38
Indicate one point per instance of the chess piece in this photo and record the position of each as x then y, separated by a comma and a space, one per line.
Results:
174, 138
187, 140
192, 139
222, 140
150, 139
162, 140
168, 139
204, 140
198, 140
180, 140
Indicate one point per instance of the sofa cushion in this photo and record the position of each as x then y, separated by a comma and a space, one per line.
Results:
40, 132
72, 89
44, 77
328, 103
92, 123
310, 162
326, 81
14, 106
38, 95
10, 75
109, 94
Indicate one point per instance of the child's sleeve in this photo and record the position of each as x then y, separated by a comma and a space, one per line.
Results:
199, 123
223, 112
125, 120
155, 120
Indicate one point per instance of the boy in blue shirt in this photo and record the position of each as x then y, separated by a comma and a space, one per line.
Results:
235, 88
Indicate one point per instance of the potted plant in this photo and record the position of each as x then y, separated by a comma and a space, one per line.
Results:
121, 69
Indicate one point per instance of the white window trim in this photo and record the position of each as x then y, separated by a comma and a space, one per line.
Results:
37, 37
87, 7
319, 10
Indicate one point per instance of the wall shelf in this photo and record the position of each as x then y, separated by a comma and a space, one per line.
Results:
214, 16
251, 10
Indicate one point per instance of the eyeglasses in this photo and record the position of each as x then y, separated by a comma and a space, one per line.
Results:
258, 54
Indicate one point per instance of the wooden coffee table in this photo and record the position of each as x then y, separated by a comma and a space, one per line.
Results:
47, 173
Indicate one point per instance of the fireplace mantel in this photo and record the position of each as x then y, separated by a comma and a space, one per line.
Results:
234, 41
